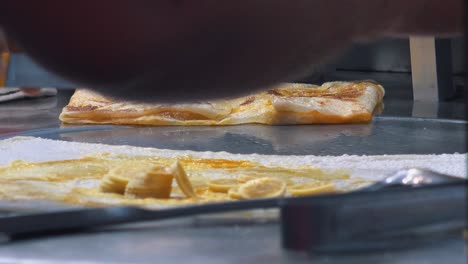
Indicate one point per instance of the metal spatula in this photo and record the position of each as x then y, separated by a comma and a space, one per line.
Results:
413, 177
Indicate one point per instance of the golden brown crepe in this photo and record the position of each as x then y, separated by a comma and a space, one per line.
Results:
291, 103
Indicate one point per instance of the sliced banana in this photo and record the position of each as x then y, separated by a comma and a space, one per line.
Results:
243, 178
222, 185
156, 183
183, 181
112, 183
201, 190
311, 188
233, 193
262, 188
117, 179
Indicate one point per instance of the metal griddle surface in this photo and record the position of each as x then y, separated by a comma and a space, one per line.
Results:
197, 241
386, 135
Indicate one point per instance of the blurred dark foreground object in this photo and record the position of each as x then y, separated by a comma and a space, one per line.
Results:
173, 50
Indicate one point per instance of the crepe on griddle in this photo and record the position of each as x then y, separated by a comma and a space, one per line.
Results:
80, 181
290, 103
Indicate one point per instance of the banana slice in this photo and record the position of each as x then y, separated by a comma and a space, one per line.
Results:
157, 183
116, 179
222, 185
183, 181
201, 190
311, 188
243, 178
262, 188
233, 193
111, 183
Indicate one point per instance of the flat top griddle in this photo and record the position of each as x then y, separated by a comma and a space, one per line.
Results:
202, 239
386, 135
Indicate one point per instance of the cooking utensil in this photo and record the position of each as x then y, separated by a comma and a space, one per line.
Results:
398, 217
412, 177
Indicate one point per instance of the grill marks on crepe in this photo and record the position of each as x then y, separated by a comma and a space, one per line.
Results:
290, 103
335, 91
